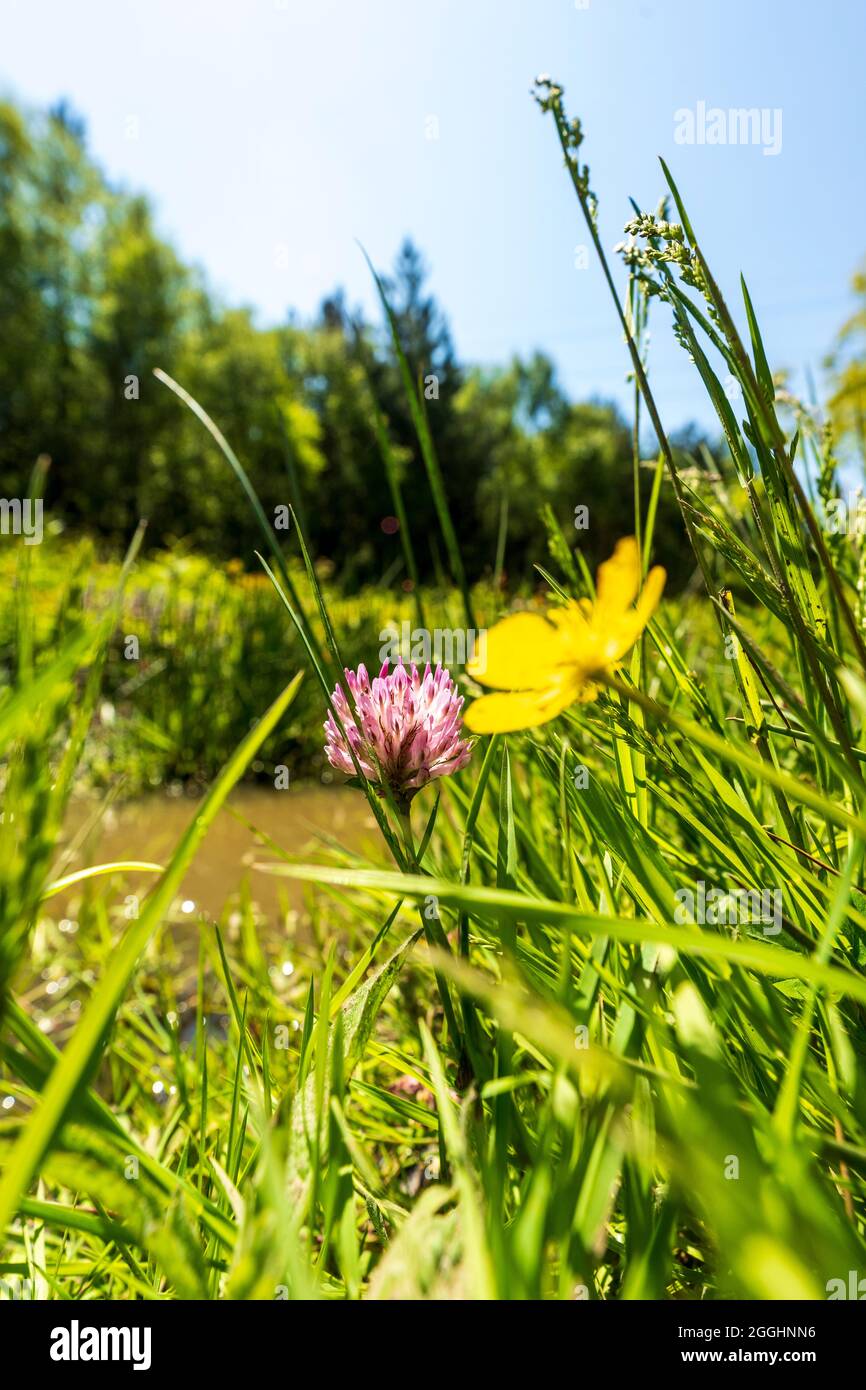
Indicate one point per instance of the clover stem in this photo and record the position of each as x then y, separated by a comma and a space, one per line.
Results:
436, 939
405, 820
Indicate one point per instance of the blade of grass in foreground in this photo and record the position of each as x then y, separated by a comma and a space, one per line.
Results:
380, 430
428, 452
491, 903
123, 866
251, 494
787, 1104
17, 711
794, 788
83, 1048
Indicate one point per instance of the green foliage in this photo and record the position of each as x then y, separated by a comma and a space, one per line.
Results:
95, 299
848, 361
575, 1082
213, 650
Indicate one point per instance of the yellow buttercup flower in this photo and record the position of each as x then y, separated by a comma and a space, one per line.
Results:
541, 665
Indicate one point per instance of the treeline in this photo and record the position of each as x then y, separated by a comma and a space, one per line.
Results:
92, 299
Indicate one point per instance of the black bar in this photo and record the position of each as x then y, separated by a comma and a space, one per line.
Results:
58, 1338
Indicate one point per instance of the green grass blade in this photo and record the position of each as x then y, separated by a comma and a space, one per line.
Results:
83, 1048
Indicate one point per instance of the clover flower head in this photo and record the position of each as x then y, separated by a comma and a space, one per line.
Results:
403, 727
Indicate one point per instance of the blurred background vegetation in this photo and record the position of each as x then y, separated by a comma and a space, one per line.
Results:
92, 298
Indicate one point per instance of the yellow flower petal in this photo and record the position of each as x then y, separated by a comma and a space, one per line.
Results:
524, 709
629, 628
521, 652
618, 580
651, 594
543, 665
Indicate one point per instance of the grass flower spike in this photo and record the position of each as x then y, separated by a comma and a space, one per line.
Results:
405, 729
541, 665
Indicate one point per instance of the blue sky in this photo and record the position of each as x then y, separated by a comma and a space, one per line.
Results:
273, 133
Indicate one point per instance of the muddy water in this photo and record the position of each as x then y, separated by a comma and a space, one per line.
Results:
297, 821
